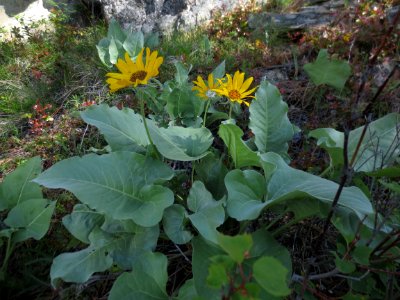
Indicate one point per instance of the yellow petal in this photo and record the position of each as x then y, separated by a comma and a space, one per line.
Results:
122, 66
139, 60
246, 84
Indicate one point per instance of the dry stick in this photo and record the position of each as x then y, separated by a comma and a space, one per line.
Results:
343, 180
392, 244
383, 242
360, 141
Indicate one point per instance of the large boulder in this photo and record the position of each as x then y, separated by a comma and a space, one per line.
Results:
166, 15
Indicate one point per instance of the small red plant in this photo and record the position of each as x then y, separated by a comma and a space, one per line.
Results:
40, 118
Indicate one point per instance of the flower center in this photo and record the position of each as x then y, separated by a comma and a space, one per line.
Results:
234, 94
139, 75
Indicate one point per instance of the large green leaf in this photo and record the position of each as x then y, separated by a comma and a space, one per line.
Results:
133, 43
122, 129
211, 171
79, 266
246, 189
122, 185
179, 143
31, 218
271, 275
147, 280
82, 221
208, 213
379, 148
17, 186
241, 154
182, 103
202, 252
188, 291
237, 247
332, 72
174, 224
285, 184
269, 121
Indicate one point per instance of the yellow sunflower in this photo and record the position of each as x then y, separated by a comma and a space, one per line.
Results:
236, 89
134, 73
205, 90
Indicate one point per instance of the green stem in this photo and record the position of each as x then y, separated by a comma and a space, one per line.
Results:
274, 221
205, 112
141, 99
230, 110
6, 258
326, 171
284, 227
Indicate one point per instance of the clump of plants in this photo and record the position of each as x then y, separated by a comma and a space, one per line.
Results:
186, 181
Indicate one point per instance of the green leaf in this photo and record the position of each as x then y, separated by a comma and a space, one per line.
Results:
102, 51
113, 51
393, 186
211, 171
82, 221
79, 266
361, 254
389, 172
174, 224
147, 280
237, 247
133, 43
246, 190
17, 186
202, 252
378, 149
188, 291
217, 276
344, 266
271, 276
183, 144
269, 121
208, 213
264, 244
332, 72
122, 185
122, 129
182, 74
152, 40
115, 31
31, 218
288, 183
182, 103
219, 71
347, 223
241, 155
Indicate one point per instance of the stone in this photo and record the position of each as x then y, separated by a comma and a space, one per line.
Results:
166, 15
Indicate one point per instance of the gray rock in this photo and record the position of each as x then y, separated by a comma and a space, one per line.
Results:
165, 15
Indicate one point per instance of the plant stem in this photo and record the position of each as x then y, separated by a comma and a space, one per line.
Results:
6, 258
230, 109
205, 112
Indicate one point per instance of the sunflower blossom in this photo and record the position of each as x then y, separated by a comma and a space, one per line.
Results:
134, 73
236, 88
206, 90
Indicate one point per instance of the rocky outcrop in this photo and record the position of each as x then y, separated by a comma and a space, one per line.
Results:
166, 15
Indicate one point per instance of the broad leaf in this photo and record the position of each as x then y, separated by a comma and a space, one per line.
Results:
122, 185
82, 221
102, 51
285, 184
182, 74
202, 252
246, 190
134, 43
115, 31
122, 129
332, 72
269, 121
237, 247
174, 224
179, 143
79, 266
242, 156
17, 186
208, 213
147, 280
271, 275
31, 218
219, 71
188, 291
379, 148
182, 103
211, 171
